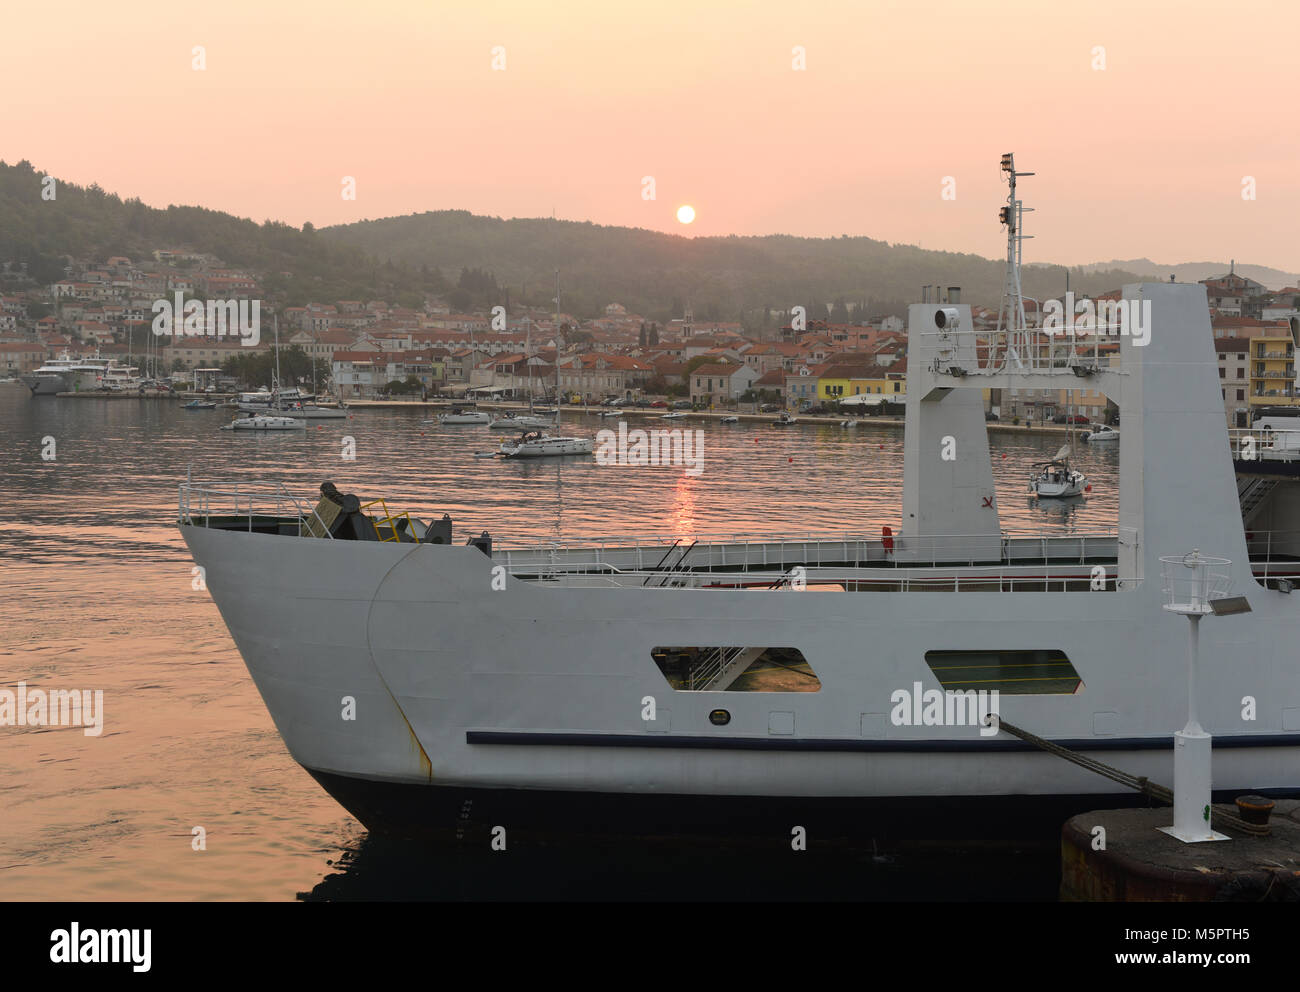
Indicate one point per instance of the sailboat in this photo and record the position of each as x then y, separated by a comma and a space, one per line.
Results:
1055, 479
538, 443
291, 402
529, 421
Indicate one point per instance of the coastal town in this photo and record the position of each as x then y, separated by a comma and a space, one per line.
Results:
376, 350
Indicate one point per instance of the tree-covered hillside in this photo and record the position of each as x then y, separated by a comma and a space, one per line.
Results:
654, 274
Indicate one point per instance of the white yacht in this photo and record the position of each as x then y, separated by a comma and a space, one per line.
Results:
1101, 434
302, 409
462, 415
520, 422
537, 444
1055, 479
261, 422
66, 375
571, 685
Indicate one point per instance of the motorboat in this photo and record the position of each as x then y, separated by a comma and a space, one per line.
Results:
463, 415
519, 422
305, 411
609, 413
1055, 479
675, 415
1100, 434
536, 444
848, 425
729, 420
200, 405
261, 422
785, 420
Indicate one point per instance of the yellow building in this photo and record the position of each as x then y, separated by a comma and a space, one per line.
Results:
839, 382
1272, 370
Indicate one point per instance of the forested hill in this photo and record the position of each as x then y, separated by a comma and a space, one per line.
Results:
87, 222
647, 271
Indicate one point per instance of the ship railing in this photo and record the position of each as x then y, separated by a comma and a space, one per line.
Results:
711, 668
200, 502
730, 551
990, 579
1263, 443
1273, 552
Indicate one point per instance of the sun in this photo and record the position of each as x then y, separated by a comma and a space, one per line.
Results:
686, 213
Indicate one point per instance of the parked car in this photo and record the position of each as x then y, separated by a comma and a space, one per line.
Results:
990, 416
770, 408
660, 404
1076, 418
683, 405
609, 401
643, 404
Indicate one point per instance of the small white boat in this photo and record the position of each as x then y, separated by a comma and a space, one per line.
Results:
729, 420
463, 415
848, 424
519, 423
262, 423
1056, 480
785, 420
609, 413
1103, 433
535, 444
675, 415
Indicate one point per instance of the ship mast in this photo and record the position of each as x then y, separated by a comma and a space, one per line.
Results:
1013, 329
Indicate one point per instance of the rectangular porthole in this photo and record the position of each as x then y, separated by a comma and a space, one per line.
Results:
735, 668
1011, 672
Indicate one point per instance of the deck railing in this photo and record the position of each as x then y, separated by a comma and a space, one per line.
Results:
719, 552
199, 502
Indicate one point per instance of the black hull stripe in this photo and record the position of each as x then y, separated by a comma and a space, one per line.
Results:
974, 744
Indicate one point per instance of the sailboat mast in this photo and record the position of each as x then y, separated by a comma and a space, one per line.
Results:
528, 360
557, 346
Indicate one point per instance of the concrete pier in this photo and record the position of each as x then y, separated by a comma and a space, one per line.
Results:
1139, 863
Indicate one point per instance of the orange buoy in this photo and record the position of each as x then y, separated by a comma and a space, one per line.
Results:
789, 459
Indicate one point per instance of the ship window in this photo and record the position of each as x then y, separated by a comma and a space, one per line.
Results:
735, 668
1011, 672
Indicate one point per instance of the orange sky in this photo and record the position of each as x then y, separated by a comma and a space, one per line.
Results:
1145, 157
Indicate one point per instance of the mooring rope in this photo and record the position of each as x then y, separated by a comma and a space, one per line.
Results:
1141, 783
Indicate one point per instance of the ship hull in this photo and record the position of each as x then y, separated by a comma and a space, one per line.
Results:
467, 815
401, 666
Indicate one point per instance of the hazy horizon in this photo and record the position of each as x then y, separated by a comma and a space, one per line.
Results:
1145, 157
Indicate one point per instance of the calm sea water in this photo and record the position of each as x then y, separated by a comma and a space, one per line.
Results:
96, 593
